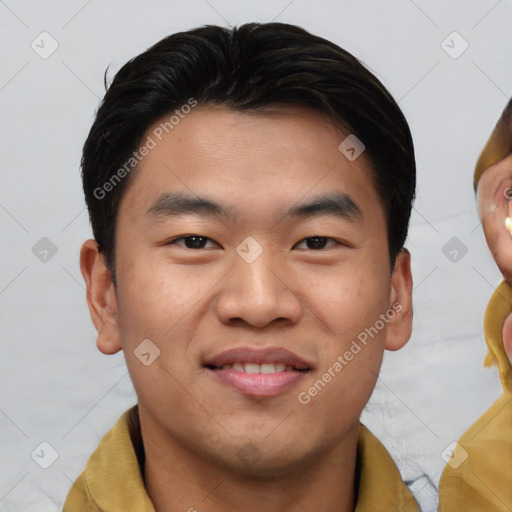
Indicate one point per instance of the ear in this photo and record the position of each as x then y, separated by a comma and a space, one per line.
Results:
400, 301
101, 297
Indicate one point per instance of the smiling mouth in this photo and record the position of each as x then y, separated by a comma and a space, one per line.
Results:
258, 372
258, 368
258, 380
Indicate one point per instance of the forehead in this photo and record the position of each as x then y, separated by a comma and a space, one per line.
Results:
268, 156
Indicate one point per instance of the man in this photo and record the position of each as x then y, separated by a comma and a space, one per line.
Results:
479, 477
249, 191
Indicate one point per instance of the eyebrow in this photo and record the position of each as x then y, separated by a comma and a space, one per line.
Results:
337, 204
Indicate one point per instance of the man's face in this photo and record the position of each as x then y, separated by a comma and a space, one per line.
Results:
255, 286
494, 186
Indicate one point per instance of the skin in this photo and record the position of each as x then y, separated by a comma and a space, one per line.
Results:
492, 206
196, 303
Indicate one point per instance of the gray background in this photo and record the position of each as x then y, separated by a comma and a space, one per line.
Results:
56, 386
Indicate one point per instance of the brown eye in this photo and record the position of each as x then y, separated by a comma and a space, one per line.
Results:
192, 242
195, 242
317, 242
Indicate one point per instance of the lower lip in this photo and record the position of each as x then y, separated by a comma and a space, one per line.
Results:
259, 384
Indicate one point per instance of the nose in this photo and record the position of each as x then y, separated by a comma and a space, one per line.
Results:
258, 294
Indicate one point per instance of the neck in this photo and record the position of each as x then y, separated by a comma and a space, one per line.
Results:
178, 479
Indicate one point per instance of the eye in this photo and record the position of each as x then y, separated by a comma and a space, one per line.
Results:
317, 242
192, 242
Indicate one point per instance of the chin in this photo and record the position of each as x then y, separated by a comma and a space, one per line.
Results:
262, 460
262, 468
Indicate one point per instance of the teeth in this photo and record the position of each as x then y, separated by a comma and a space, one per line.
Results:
252, 368
267, 368
258, 368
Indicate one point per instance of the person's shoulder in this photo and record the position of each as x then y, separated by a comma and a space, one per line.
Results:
79, 497
379, 483
113, 478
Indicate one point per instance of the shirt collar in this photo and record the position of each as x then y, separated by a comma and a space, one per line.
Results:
113, 477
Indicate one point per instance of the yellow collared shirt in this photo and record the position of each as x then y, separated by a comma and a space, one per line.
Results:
112, 479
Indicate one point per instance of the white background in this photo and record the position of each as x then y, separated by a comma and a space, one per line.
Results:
56, 387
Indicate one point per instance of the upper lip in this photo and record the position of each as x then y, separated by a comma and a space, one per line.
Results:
258, 356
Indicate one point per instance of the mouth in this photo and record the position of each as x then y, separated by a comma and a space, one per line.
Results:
258, 360
268, 367
258, 372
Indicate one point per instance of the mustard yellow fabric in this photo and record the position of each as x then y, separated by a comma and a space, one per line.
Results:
381, 488
112, 481
483, 482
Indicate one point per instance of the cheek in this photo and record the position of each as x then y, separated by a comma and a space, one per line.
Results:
159, 302
356, 338
347, 299
154, 296
500, 244
491, 232
486, 204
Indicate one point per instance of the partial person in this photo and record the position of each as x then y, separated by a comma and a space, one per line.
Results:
479, 475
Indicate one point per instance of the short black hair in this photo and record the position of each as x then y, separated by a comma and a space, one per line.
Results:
250, 67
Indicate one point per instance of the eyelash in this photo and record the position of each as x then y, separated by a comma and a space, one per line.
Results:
175, 240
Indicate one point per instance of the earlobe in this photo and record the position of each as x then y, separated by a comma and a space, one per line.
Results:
101, 297
400, 303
